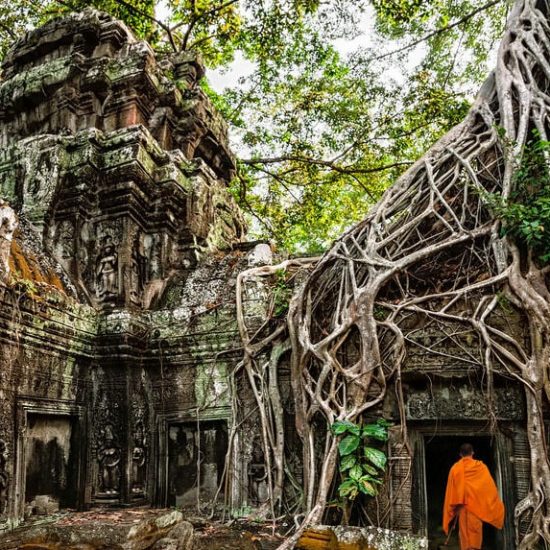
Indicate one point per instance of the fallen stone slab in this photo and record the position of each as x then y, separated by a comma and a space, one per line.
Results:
170, 526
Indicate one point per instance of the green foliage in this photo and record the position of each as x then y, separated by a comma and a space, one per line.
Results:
26, 286
212, 27
525, 214
321, 133
361, 465
350, 113
281, 293
242, 512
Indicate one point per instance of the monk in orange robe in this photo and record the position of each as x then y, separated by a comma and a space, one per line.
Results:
472, 495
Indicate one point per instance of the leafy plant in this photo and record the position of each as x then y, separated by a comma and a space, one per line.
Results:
526, 214
362, 466
281, 293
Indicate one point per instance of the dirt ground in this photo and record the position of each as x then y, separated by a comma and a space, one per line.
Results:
103, 529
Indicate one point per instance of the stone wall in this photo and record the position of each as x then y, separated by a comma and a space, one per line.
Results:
118, 324
45, 356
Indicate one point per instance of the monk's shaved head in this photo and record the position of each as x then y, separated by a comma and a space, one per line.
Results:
466, 449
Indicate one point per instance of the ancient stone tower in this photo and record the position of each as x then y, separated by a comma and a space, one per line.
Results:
119, 246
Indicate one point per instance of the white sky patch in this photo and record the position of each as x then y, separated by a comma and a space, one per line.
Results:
228, 77
345, 46
162, 11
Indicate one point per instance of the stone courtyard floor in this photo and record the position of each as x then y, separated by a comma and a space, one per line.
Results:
110, 529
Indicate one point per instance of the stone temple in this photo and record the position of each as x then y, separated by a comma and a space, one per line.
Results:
120, 245
123, 240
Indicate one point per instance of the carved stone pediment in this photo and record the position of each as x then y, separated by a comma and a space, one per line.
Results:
464, 402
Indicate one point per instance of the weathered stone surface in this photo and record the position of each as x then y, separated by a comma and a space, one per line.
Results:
121, 168
183, 535
116, 167
168, 544
107, 531
464, 402
145, 534
356, 538
8, 225
179, 537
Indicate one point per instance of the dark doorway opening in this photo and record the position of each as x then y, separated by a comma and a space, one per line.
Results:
196, 458
441, 454
50, 465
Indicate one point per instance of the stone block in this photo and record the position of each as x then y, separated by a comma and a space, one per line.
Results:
183, 535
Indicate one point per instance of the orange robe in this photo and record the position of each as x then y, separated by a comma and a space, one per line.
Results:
471, 487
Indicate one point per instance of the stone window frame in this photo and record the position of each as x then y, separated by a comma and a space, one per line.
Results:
26, 406
188, 415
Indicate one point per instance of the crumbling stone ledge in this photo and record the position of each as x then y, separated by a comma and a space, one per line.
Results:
358, 538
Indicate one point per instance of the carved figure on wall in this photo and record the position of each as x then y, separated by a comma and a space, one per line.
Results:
257, 475
107, 269
139, 459
8, 225
136, 273
3, 478
65, 239
155, 254
109, 463
41, 174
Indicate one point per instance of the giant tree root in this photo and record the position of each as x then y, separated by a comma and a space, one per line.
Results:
431, 252
431, 248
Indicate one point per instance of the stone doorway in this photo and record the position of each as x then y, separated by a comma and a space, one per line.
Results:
50, 464
196, 458
441, 452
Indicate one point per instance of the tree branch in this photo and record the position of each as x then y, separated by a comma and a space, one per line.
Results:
199, 17
162, 25
460, 21
325, 163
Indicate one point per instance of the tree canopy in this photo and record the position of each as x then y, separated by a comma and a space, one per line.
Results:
321, 127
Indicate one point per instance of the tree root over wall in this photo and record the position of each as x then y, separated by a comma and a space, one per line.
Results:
431, 248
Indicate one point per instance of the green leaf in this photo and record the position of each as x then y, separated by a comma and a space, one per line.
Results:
369, 469
376, 431
348, 489
376, 457
347, 462
356, 472
348, 444
384, 422
343, 426
366, 487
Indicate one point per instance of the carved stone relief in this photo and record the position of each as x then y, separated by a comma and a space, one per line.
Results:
109, 456
154, 252
3, 478
139, 453
40, 174
135, 273
257, 475
65, 245
107, 287
108, 445
463, 403
8, 225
